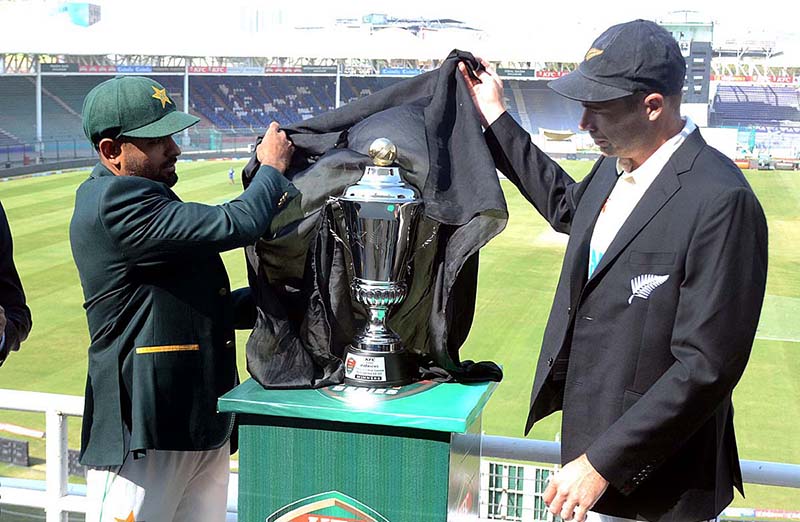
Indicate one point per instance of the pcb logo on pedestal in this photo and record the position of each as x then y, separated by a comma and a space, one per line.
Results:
330, 506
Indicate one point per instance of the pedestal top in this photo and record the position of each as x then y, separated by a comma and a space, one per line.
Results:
424, 405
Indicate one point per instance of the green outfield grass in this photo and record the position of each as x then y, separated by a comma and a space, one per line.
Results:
519, 271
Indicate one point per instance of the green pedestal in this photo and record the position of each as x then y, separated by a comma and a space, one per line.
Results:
345, 454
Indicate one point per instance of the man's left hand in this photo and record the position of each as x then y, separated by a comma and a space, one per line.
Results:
574, 490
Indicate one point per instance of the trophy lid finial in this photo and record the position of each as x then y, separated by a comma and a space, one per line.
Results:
383, 152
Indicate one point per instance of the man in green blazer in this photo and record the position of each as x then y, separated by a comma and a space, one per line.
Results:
160, 311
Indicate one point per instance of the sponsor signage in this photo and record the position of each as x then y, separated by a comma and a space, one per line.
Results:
364, 70
516, 73
134, 69
246, 70
400, 71
105, 69
59, 67
319, 69
551, 75
731, 78
168, 69
331, 506
781, 79
776, 513
282, 70
203, 69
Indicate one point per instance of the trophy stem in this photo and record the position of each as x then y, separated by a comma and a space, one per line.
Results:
377, 356
377, 336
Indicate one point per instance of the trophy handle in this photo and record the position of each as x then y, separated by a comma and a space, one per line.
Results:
336, 228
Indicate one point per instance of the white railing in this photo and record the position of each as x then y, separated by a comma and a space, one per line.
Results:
54, 499
57, 501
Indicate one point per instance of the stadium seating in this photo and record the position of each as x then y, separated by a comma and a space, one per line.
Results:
235, 103
17, 109
541, 108
62, 101
754, 105
242, 102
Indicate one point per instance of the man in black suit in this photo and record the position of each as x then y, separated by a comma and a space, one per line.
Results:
15, 316
160, 311
660, 290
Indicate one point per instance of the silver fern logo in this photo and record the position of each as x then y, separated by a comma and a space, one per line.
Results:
643, 285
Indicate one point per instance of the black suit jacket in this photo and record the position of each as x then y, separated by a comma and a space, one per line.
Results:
160, 311
643, 356
12, 297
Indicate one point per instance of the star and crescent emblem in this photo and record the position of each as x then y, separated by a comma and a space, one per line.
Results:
160, 95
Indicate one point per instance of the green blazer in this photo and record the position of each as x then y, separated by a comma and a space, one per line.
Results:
160, 311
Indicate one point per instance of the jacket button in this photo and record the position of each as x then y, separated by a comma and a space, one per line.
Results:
569, 310
223, 291
550, 361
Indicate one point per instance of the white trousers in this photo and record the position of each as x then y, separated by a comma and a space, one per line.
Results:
162, 486
591, 516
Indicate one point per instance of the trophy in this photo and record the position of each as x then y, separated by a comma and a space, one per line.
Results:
379, 216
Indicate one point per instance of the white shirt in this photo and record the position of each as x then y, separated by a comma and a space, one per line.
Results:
628, 190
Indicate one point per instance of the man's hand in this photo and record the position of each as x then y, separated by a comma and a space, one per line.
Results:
487, 94
574, 490
275, 149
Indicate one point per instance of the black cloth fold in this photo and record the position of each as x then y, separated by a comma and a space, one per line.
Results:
298, 272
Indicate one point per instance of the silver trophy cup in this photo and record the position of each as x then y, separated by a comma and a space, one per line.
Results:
379, 217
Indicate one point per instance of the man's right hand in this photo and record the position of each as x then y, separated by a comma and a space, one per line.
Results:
275, 149
486, 92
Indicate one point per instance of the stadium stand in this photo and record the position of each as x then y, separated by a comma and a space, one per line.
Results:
536, 107
357, 87
62, 100
242, 102
236, 102
248, 103
754, 105
17, 110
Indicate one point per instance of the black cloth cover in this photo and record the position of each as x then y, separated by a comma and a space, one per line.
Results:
305, 315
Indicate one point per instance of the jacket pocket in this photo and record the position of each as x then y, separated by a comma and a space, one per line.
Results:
167, 396
651, 258
629, 398
168, 348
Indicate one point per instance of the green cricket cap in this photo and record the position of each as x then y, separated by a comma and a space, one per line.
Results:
132, 106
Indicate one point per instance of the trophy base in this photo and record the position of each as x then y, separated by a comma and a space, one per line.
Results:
376, 369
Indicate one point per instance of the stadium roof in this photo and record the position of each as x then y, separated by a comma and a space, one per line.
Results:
30, 29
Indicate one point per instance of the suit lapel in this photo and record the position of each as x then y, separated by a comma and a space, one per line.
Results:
663, 188
594, 199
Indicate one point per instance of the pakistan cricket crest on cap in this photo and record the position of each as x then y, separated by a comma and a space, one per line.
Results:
331, 506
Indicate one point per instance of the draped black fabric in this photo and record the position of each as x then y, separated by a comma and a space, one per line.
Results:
298, 274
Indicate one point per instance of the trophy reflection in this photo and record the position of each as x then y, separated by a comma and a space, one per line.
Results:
379, 216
